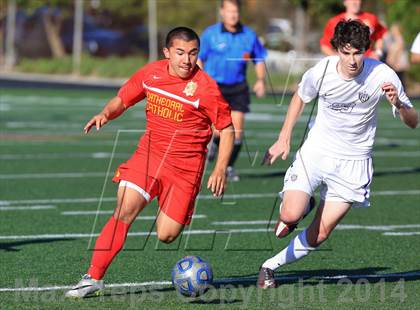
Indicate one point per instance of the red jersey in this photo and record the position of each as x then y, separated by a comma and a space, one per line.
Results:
179, 113
377, 31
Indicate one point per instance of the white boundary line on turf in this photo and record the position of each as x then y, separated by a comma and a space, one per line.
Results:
130, 234
339, 227
36, 207
64, 175
201, 197
202, 232
407, 233
219, 281
108, 212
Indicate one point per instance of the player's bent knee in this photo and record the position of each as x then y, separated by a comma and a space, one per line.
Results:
125, 215
289, 217
166, 237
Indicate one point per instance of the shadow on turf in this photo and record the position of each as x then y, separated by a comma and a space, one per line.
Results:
306, 278
326, 276
11, 246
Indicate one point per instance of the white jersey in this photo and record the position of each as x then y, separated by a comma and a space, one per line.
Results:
345, 124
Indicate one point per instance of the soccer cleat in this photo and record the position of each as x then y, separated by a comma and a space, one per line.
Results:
86, 287
282, 229
266, 278
231, 174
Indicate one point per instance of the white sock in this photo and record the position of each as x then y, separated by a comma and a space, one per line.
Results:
296, 249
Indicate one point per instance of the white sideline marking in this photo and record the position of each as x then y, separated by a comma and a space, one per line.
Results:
64, 175
66, 287
339, 227
201, 197
202, 232
36, 207
376, 227
130, 234
94, 155
258, 222
106, 212
409, 233
219, 281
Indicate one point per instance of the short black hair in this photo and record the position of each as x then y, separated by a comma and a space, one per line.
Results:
234, 2
351, 32
183, 33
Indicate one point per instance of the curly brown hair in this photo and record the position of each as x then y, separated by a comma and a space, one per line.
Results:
351, 32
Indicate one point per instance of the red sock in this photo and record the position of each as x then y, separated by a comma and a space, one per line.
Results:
108, 244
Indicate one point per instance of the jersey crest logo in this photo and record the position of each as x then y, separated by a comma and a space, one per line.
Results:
363, 96
190, 89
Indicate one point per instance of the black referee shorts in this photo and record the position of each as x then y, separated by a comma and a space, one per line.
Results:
237, 95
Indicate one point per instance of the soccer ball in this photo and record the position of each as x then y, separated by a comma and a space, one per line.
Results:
192, 276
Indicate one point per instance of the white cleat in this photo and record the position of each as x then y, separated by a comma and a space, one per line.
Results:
86, 287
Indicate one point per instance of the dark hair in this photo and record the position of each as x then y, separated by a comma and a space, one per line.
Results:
182, 33
351, 32
234, 2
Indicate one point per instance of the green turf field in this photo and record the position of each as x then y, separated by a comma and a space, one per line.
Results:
53, 179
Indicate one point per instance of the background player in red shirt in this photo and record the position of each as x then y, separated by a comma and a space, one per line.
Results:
353, 11
183, 103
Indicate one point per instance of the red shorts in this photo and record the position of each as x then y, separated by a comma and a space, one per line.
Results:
176, 192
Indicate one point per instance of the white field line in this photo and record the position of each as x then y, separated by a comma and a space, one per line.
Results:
257, 222
65, 175
130, 234
251, 118
200, 232
379, 141
109, 212
408, 233
20, 208
220, 281
201, 197
93, 155
339, 227
107, 155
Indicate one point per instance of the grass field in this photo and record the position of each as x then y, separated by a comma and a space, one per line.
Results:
53, 179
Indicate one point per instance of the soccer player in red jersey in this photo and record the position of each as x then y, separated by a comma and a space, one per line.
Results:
183, 103
353, 11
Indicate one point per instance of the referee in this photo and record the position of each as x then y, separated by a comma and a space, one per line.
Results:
226, 47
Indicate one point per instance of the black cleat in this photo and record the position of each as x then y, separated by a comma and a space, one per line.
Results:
266, 278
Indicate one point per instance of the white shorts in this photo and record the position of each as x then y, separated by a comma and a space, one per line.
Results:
341, 180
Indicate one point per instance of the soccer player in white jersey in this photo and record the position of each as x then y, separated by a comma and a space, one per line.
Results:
337, 153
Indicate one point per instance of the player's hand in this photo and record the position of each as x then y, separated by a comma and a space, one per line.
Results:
217, 182
98, 121
391, 92
280, 148
259, 88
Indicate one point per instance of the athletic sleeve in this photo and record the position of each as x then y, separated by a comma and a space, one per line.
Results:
259, 53
204, 46
307, 86
132, 91
217, 109
402, 96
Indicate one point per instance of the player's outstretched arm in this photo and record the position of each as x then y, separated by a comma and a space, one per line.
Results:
282, 146
408, 115
259, 86
113, 109
217, 179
